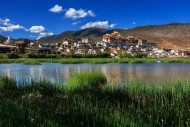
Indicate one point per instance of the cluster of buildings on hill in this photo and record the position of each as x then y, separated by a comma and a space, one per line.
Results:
113, 43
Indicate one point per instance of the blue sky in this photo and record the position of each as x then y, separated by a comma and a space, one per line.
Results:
37, 18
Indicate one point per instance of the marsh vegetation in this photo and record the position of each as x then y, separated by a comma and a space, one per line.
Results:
88, 100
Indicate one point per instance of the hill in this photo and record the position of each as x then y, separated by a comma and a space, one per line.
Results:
94, 33
173, 35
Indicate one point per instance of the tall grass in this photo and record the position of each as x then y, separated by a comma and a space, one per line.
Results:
86, 100
86, 81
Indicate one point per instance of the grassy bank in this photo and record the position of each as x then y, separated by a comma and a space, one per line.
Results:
91, 60
78, 61
87, 100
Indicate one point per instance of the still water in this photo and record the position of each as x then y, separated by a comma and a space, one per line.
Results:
115, 73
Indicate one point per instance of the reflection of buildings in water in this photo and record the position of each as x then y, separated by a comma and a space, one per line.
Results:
65, 73
149, 72
8, 73
85, 68
57, 78
152, 72
32, 72
115, 73
139, 72
120, 73
39, 72
112, 73
130, 73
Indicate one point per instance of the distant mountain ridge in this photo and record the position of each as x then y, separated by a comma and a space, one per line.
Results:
90, 32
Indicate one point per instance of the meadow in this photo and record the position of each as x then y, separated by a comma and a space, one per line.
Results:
87, 100
77, 60
38, 61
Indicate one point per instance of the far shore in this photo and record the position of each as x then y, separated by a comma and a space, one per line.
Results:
38, 61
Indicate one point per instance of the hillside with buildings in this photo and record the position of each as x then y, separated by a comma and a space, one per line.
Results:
176, 36
167, 36
93, 40
115, 44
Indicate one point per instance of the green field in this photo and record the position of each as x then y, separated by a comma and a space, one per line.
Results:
86, 100
91, 60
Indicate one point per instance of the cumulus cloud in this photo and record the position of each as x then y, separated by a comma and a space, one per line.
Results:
7, 26
41, 31
11, 28
5, 21
56, 9
99, 24
37, 29
76, 14
91, 13
44, 34
76, 23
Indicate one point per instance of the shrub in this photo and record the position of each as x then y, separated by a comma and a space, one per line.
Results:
34, 62
140, 55
125, 55
136, 61
12, 55
40, 55
123, 61
2, 56
103, 55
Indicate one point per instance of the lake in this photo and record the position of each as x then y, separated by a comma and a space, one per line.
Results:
115, 73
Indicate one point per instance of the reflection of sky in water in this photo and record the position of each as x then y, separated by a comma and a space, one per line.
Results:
113, 72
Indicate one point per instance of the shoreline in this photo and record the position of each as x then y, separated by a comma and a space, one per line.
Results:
93, 60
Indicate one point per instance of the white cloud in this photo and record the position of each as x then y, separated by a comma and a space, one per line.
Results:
37, 29
99, 24
76, 23
5, 21
41, 31
76, 14
11, 28
91, 13
44, 34
56, 9
8, 26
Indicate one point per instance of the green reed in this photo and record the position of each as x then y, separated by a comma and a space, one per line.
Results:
87, 100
